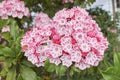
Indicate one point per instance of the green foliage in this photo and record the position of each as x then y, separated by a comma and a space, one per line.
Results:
14, 64
6, 36
11, 74
6, 51
27, 63
3, 22
27, 73
14, 29
19, 77
52, 6
59, 70
113, 72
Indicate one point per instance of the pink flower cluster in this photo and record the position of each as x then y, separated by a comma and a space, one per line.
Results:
66, 1
14, 8
70, 38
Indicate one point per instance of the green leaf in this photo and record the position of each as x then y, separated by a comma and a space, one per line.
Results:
39, 78
27, 63
6, 36
111, 74
27, 73
1, 0
6, 51
7, 64
3, 72
51, 68
76, 69
3, 23
76, 2
83, 5
19, 38
11, 75
91, 1
2, 58
14, 29
47, 63
117, 59
19, 77
60, 70
71, 72
16, 46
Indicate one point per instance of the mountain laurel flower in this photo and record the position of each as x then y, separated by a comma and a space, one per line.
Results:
14, 8
71, 38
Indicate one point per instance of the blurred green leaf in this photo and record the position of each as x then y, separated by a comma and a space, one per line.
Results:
11, 75
2, 58
117, 59
111, 74
3, 22
6, 36
91, 1
51, 68
17, 42
71, 72
14, 29
27, 73
27, 63
47, 64
39, 78
6, 51
76, 2
83, 5
19, 77
20, 35
76, 69
7, 63
60, 70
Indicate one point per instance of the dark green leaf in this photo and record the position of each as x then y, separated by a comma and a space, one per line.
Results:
6, 51
76, 69
27, 73
60, 70
51, 68
91, 1
6, 35
11, 75
2, 58
7, 64
47, 64
117, 59
14, 29
76, 2
39, 78
19, 77
3, 23
3, 72
71, 72
111, 74
27, 63
19, 38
